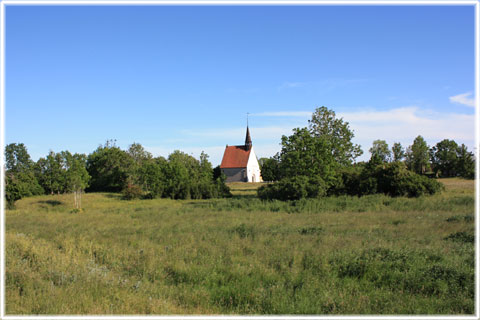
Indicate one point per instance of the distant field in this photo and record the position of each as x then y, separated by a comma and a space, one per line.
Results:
340, 255
244, 189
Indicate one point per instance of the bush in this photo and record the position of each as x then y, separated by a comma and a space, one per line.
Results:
20, 185
461, 237
348, 182
132, 191
223, 191
392, 179
294, 188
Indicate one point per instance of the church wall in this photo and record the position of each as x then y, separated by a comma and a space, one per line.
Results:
253, 168
234, 174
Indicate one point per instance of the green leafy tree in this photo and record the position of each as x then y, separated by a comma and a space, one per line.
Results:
138, 153
398, 152
336, 133
50, 173
444, 158
17, 186
76, 175
270, 168
318, 153
17, 158
139, 156
183, 175
20, 179
465, 162
381, 151
109, 167
304, 154
153, 177
418, 156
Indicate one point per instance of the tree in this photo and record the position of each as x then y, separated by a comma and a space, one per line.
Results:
337, 135
270, 168
139, 157
465, 162
318, 153
183, 176
138, 153
20, 179
76, 175
304, 154
17, 158
444, 158
152, 176
16, 188
381, 151
418, 156
109, 167
398, 152
50, 173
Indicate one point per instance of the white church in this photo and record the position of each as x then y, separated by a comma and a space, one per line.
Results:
240, 163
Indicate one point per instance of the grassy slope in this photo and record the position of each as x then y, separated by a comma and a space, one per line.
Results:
342, 255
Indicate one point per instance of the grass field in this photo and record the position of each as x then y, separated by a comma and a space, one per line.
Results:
340, 255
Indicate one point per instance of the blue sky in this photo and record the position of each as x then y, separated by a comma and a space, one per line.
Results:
184, 77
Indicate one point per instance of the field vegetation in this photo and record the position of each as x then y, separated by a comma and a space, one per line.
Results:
333, 255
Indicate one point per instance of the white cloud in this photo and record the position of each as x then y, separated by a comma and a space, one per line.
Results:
404, 124
463, 98
284, 114
395, 125
323, 85
289, 85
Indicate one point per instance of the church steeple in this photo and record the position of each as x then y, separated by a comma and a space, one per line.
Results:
248, 140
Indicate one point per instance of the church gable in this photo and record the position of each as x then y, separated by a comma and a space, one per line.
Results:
252, 160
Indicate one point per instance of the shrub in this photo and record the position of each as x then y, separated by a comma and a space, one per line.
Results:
294, 188
223, 191
132, 191
461, 237
348, 182
392, 179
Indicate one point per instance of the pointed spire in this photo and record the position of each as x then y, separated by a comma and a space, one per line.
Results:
248, 140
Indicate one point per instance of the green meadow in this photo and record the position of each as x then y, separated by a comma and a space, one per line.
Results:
336, 255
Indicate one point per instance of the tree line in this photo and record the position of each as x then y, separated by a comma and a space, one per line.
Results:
319, 160
133, 172
315, 161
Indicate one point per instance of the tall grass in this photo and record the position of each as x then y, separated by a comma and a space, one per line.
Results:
343, 255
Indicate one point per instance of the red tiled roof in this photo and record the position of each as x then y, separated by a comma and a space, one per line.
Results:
235, 157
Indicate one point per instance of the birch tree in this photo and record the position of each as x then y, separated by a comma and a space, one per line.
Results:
77, 176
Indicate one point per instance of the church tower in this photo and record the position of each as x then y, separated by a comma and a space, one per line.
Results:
248, 140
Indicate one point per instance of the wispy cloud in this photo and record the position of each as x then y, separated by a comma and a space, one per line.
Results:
284, 114
290, 85
463, 98
323, 85
404, 124
393, 125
